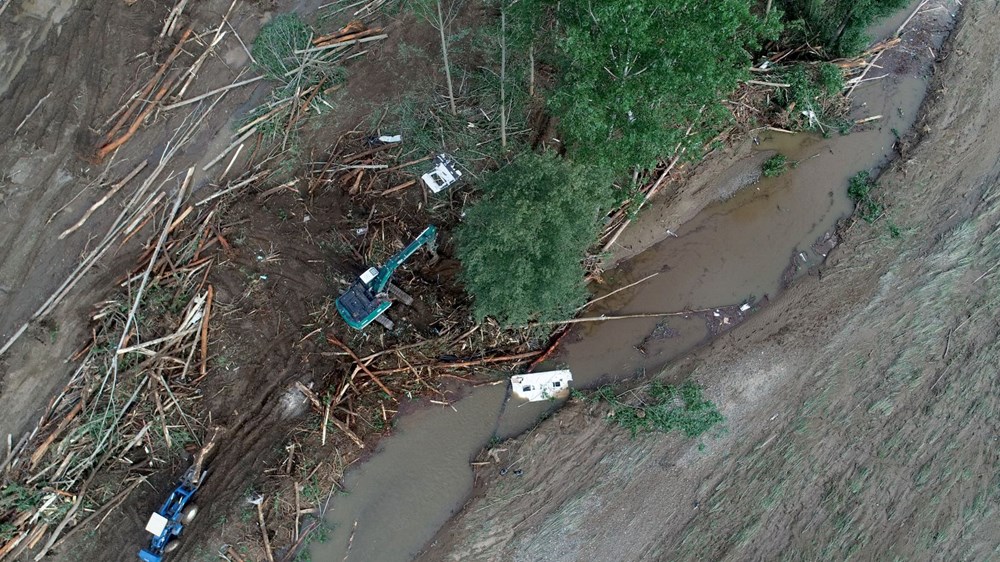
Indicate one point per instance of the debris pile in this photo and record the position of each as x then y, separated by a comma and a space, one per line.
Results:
132, 405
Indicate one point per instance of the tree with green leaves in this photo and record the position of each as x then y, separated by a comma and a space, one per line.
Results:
522, 246
838, 25
634, 75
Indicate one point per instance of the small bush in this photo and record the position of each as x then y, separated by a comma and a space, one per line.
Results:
663, 408
831, 78
860, 190
812, 88
523, 244
775, 166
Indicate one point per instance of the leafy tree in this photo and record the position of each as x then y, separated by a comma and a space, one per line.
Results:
839, 25
633, 75
523, 244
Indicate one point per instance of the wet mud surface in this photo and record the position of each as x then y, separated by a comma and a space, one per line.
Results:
421, 475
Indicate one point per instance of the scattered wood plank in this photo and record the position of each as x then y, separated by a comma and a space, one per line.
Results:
111, 192
333, 339
148, 89
399, 187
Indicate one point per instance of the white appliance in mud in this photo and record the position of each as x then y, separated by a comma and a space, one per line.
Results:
444, 174
536, 387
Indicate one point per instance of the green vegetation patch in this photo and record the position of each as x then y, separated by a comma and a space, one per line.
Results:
840, 26
813, 94
662, 408
775, 166
861, 190
521, 246
632, 76
281, 53
274, 48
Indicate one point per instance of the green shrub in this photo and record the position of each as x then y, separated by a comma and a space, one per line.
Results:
633, 75
860, 189
775, 166
831, 78
812, 88
663, 408
522, 245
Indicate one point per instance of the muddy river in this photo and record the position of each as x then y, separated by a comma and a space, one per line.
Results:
736, 251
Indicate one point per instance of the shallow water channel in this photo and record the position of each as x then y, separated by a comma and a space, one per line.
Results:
734, 251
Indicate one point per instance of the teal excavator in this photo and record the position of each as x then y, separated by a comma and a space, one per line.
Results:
368, 297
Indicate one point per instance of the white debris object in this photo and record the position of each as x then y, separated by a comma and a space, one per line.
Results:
391, 138
443, 175
157, 523
536, 387
745, 307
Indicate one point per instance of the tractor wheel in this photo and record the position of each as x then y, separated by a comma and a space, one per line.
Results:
189, 513
171, 546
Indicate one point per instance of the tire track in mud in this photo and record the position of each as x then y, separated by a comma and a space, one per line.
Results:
77, 69
80, 67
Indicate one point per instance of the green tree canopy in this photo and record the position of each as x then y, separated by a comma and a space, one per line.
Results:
839, 25
523, 244
633, 75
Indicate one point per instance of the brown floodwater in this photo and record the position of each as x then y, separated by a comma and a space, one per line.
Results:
734, 252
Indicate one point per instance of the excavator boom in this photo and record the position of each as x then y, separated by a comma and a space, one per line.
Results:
386, 271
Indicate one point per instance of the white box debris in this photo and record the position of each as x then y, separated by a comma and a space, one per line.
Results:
536, 387
444, 174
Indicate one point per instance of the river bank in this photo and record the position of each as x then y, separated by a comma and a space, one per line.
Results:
842, 397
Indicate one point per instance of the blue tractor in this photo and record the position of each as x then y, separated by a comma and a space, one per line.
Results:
168, 522
368, 297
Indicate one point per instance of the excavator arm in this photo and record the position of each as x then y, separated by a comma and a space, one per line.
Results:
385, 272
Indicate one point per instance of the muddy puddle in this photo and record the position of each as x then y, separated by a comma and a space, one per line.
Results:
738, 251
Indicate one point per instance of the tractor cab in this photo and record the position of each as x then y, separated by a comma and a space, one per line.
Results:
168, 522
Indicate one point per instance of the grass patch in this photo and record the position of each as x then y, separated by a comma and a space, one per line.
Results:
275, 46
662, 408
860, 189
277, 53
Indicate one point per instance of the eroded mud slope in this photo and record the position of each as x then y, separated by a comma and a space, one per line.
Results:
66, 67
862, 407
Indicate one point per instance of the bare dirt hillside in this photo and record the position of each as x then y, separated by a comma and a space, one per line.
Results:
862, 407
67, 67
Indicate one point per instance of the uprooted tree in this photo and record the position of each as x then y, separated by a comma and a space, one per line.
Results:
521, 246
